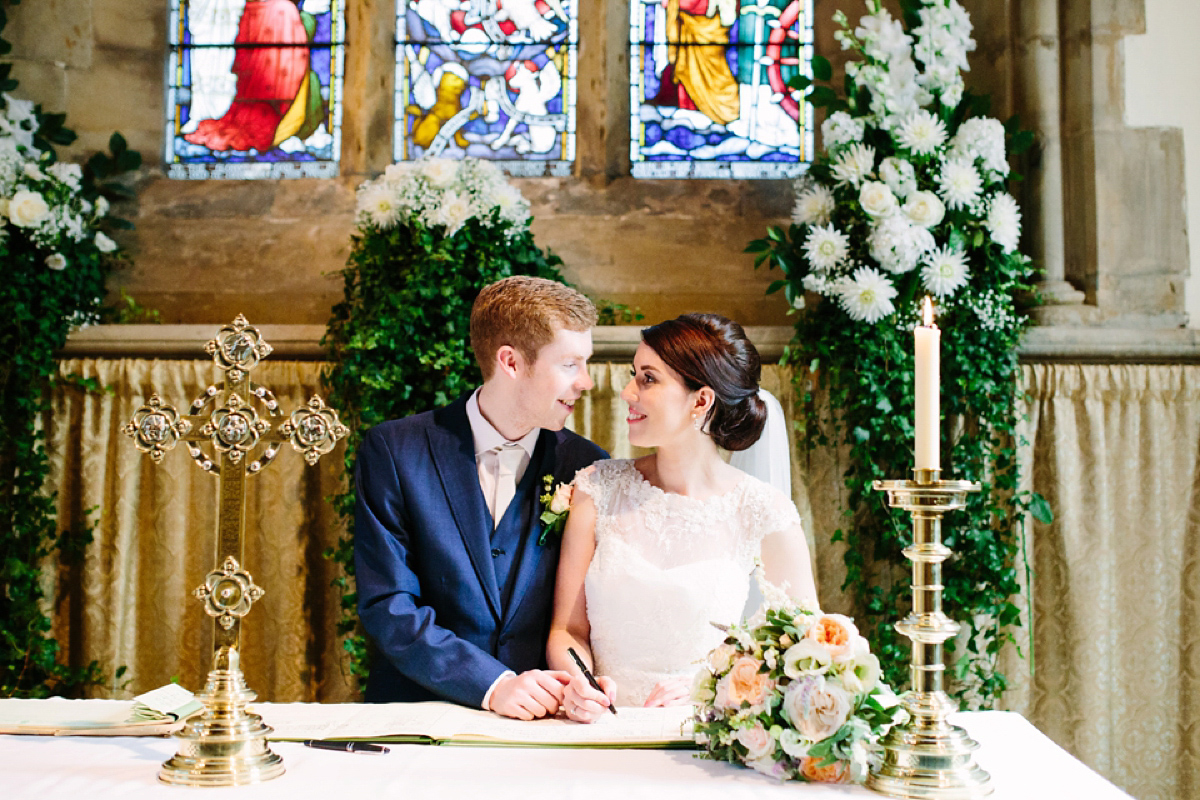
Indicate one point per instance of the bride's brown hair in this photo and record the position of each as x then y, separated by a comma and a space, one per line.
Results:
713, 351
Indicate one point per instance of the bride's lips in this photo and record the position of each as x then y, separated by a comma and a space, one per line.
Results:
634, 416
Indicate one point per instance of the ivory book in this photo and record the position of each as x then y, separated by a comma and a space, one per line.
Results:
449, 724
157, 713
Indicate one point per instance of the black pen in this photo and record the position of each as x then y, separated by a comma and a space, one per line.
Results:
349, 747
588, 674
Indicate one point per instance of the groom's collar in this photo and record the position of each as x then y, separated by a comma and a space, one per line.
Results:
487, 437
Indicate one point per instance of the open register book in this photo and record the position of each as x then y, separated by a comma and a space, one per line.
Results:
157, 713
446, 723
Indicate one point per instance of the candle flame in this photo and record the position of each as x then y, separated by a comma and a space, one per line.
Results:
927, 312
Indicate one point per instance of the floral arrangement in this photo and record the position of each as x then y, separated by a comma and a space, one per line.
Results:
556, 505
795, 694
909, 196
442, 194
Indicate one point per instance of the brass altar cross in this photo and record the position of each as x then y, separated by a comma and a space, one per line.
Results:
227, 746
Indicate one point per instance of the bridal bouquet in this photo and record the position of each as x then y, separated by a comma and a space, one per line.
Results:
909, 196
442, 194
794, 694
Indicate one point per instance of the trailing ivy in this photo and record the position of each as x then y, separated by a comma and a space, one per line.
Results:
53, 281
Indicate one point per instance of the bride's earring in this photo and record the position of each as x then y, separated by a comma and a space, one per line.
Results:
696, 423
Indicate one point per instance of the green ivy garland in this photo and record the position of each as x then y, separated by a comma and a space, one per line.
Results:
855, 379
39, 305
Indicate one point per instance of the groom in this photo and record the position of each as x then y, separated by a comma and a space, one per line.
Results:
453, 587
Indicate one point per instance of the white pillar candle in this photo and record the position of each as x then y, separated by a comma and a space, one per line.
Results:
928, 376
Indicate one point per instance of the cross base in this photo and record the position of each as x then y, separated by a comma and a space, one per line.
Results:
929, 762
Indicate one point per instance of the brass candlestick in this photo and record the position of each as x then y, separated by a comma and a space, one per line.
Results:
227, 745
928, 757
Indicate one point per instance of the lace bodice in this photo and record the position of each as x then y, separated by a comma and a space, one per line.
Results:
665, 567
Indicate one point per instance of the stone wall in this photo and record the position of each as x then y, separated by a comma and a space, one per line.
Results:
203, 251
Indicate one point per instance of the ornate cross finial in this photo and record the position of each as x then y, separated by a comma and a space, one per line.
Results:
227, 746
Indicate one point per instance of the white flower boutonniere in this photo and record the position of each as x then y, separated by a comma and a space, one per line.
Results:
556, 504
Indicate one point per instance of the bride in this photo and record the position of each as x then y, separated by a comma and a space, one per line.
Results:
658, 547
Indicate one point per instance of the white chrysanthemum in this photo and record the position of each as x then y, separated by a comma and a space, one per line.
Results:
814, 205
899, 175
853, 164
959, 182
921, 133
898, 245
826, 247
945, 271
841, 128
440, 172
56, 261
377, 204
867, 296
924, 209
877, 199
1004, 221
513, 206
103, 243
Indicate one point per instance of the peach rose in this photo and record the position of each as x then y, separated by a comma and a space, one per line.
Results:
744, 685
837, 772
561, 500
757, 741
836, 632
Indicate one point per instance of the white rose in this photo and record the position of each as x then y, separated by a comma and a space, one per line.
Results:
31, 170
103, 243
721, 658
56, 262
703, 688
925, 209
101, 206
561, 501
26, 209
757, 741
876, 199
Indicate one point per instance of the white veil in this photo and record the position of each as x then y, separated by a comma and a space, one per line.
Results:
770, 460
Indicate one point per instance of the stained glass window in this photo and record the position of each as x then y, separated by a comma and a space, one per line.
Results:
254, 88
709, 95
491, 79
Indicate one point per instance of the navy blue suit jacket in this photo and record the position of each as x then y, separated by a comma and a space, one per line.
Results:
445, 625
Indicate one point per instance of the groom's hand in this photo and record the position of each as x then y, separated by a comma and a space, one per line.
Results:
530, 695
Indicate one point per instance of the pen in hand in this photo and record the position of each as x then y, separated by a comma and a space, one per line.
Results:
588, 674
348, 747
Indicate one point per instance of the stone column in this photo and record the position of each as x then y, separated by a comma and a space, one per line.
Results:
1039, 87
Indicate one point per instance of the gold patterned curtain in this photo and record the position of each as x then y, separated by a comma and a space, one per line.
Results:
1116, 632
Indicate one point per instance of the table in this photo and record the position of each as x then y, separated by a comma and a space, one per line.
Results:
1023, 762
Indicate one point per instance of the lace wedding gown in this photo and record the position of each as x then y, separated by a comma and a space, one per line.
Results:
665, 567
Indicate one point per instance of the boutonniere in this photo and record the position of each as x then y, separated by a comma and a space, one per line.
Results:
556, 504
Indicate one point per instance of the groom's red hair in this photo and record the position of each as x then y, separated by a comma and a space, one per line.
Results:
525, 313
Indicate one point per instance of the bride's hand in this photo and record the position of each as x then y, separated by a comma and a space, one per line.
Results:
671, 692
582, 703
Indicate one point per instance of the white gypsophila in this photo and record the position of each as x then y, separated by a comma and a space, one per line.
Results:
814, 205
853, 164
994, 310
982, 139
103, 243
945, 271
826, 247
959, 183
899, 175
1003, 221
921, 133
898, 245
867, 295
820, 283
840, 128
877, 199
924, 209
70, 174
56, 262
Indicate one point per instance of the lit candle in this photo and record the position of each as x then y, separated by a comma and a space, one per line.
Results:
928, 375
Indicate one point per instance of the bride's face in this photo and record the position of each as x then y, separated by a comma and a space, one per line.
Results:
660, 405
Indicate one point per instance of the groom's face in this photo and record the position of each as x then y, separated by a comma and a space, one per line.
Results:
550, 385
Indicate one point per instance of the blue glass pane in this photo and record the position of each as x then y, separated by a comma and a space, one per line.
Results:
487, 80
254, 88
709, 88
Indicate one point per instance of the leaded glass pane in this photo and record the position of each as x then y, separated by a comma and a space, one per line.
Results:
709, 95
491, 79
254, 88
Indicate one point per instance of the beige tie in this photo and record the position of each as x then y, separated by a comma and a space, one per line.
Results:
508, 458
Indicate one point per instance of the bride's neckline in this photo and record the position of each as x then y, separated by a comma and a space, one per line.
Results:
737, 487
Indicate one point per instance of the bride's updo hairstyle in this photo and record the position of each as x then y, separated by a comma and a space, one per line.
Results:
710, 350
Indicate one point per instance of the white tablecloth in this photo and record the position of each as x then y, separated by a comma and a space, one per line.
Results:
1023, 762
